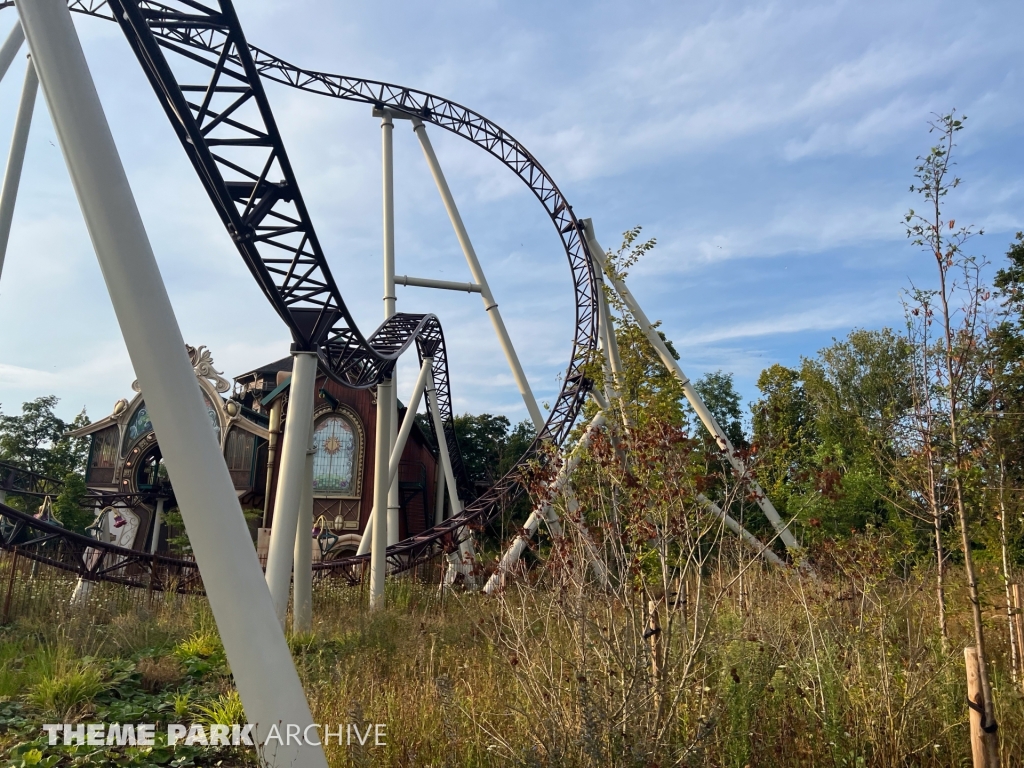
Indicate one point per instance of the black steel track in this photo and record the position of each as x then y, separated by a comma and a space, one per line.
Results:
209, 80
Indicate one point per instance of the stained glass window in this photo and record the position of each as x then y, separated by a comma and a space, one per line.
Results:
334, 440
138, 426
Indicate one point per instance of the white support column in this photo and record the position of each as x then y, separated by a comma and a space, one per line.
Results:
467, 554
16, 157
733, 525
254, 643
3, 496
442, 446
379, 540
272, 450
394, 507
396, 452
387, 129
290, 479
438, 495
158, 517
10, 48
478, 276
302, 591
691, 394
610, 345
544, 511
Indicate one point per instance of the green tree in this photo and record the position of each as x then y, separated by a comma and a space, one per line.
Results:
719, 394
37, 439
68, 505
783, 436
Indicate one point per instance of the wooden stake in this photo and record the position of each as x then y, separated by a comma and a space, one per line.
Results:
984, 747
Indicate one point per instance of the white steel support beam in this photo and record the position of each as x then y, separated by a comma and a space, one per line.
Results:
290, 479
438, 495
302, 580
255, 645
394, 506
399, 449
466, 555
490, 305
442, 446
733, 525
444, 285
275, 437
10, 48
16, 157
691, 394
544, 511
379, 535
387, 129
610, 345
158, 517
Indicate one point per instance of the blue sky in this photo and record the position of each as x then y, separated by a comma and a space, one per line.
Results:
768, 147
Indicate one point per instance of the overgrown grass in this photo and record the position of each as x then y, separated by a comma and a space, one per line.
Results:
830, 672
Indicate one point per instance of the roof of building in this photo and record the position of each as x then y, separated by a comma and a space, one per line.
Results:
284, 364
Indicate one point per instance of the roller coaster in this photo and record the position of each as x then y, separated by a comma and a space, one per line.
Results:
270, 225
210, 82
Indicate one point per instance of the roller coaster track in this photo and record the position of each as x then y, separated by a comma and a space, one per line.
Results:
15, 479
210, 82
87, 558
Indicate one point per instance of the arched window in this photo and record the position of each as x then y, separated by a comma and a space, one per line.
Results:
138, 425
336, 442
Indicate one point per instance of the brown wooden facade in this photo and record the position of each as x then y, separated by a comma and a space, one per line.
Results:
125, 455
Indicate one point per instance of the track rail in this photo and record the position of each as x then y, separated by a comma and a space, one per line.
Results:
92, 560
15, 479
210, 83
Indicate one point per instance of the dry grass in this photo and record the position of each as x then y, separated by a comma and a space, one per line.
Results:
846, 670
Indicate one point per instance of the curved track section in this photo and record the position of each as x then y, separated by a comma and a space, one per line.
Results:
214, 97
50, 544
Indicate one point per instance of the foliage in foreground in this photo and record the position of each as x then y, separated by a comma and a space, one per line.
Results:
783, 670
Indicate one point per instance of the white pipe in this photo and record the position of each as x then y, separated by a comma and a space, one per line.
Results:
302, 579
478, 275
158, 516
239, 599
16, 158
399, 449
10, 48
379, 540
688, 390
290, 479
445, 285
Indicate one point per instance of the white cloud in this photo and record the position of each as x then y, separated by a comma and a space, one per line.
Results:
752, 138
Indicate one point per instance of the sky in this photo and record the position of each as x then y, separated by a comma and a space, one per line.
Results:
769, 148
